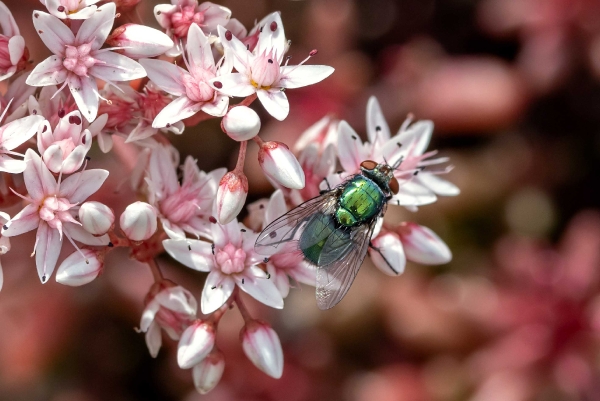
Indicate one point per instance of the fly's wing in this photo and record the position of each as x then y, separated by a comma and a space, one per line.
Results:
286, 230
334, 280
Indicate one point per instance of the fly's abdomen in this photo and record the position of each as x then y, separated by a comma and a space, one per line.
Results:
360, 201
322, 242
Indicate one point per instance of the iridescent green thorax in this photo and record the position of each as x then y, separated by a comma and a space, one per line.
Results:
361, 200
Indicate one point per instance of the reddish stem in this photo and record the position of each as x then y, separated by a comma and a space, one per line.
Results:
239, 167
240, 304
156, 273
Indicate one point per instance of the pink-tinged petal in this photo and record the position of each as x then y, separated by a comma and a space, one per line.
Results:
378, 130
19, 91
413, 194
198, 49
172, 230
217, 290
85, 93
10, 165
65, 129
79, 268
7, 22
423, 246
105, 142
75, 160
97, 28
16, 47
78, 187
175, 111
53, 32
196, 342
351, 151
9, 73
414, 139
19, 131
304, 273
78, 233
161, 172
218, 107
275, 102
214, 14
139, 41
148, 315
209, 371
24, 221
234, 84
222, 234
49, 72
272, 36
153, 339
163, 12
235, 51
297, 76
53, 157
275, 208
261, 288
84, 13
236, 28
140, 132
167, 76
48, 244
389, 256
437, 184
194, 254
38, 179
262, 346
117, 68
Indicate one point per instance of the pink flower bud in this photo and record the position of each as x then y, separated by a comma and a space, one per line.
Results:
422, 245
96, 218
209, 371
262, 346
195, 344
280, 165
388, 254
138, 221
231, 196
241, 123
79, 268
139, 41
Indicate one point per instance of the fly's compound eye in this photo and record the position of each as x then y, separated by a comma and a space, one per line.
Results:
368, 165
394, 186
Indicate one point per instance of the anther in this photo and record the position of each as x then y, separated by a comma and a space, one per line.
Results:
228, 35
5, 227
88, 158
61, 113
61, 9
212, 248
313, 53
45, 128
243, 230
261, 206
268, 275
212, 220
399, 144
270, 61
44, 278
273, 26
34, 112
354, 137
110, 244
74, 120
265, 260
189, 247
213, 287
218, 84
242, 281
378, 128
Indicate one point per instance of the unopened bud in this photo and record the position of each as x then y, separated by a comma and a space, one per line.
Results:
262, 346
241, 123
139, 41
96, 218
209, 371
422, 245
280, 165
79, 268
231, 196
195, 344
387, 254
138, 221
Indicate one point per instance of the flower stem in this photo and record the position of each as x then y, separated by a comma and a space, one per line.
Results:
156, 273
243, 311
258, 141
239, 167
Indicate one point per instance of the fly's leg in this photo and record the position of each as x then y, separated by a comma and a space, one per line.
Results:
383, 257
328, 187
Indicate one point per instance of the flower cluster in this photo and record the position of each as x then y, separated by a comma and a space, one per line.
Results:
128, 89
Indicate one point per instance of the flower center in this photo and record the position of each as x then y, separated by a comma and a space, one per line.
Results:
78, 59
5, 62
197, 88
151, 103
231, 259
120, 112
264, 71
181, 20
54, 211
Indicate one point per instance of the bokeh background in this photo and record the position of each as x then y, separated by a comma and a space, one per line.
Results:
514, 89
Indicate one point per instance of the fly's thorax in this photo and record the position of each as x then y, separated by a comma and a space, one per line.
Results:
380, 175
360, 201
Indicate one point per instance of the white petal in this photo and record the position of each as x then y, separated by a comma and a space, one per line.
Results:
38, 179
84, 13
414, 139
7, 22
236, 53
79, 268
424, 246
297, 76
153, 339
53, 32
140, 41
275, 102
275, 208
1, 277
261, 288
78, 233
97, 28
390, 258
49, 72
78, 187
437, 184
413, 194
351, 151
10, 165
378, 130
18, 131
217, 290
234, 84
117, 68
269, 39
53, 157
47, 250
194, 254
217, 107
167, 76
85, 93
24, 221
162, 12
161, 172
214, 14
198, 49
176, 111
16, 47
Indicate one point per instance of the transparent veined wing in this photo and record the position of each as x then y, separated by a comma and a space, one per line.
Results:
334, 280
288, 228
